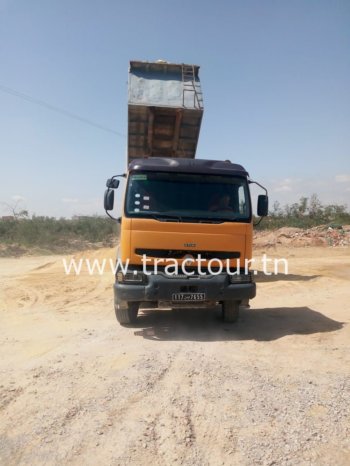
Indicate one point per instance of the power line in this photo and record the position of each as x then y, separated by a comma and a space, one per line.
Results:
62, 111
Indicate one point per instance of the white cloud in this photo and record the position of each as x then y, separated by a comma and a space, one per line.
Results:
281, 188
290, 190
342, 178
285, 185
17, 197
69, 200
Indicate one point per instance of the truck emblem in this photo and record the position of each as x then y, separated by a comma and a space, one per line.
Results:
190, 245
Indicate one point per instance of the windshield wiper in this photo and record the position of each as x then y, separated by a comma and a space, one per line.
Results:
167, 218
224, 219
202, 220
210, 219
177, 218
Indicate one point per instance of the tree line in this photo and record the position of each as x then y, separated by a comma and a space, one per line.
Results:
62, 234
306, 213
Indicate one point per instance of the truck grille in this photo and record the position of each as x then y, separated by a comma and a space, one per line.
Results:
181, 253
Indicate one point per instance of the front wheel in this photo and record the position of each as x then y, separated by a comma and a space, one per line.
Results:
128, 314
230, 311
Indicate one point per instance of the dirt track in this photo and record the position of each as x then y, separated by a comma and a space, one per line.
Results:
181, 387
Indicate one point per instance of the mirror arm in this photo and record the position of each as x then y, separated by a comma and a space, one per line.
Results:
109, 181
258, 222
266, 193
118, 219
111, 216
261, 186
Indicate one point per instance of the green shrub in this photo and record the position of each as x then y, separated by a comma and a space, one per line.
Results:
53, 234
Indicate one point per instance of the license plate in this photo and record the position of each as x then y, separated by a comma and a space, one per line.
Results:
188, 297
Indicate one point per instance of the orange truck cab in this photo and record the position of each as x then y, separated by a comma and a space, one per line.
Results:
186, 224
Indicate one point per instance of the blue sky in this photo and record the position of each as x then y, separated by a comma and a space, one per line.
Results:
275, 77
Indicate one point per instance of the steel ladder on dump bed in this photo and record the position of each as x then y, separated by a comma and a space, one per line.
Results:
189, 85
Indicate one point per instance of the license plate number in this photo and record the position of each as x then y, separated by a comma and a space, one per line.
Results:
188, 297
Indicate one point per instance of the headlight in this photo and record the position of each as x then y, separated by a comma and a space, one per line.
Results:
131, 276
241, 277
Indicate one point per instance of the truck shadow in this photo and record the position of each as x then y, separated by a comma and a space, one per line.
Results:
263, 278
254, 324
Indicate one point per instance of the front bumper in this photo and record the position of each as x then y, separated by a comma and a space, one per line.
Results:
161, 288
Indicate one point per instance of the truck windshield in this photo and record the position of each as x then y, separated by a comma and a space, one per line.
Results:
191, 197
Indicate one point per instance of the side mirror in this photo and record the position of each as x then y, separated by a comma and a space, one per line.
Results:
109, 199
112, 183
263, 205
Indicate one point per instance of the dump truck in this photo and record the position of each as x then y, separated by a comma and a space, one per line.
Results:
186, 224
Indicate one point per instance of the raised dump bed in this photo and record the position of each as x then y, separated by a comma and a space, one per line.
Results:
165, 109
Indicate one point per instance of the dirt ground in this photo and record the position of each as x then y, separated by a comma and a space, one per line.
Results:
180, 387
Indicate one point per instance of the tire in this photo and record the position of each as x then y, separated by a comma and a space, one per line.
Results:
149, 305
230, 311
127, 315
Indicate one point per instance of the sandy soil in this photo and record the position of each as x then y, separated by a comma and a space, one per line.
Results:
180, 387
